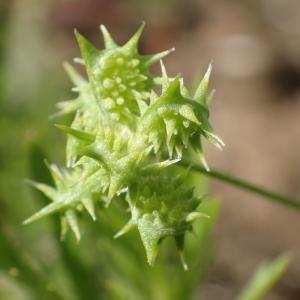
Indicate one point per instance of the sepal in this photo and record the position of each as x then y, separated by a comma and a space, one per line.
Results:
132, 45
152, 231
180, 246
201, 93
159, 166
109, 43
89, 206
72, 221
46, 189
126, 228
152, 59
51, 208
79, 134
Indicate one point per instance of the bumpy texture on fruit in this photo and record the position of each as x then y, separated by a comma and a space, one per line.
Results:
120, 131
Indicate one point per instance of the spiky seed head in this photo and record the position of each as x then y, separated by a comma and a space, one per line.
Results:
118, 140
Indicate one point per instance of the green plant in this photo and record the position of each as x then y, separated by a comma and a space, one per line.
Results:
118, 141
129, 144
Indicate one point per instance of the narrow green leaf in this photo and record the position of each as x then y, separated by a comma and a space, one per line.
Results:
264, 278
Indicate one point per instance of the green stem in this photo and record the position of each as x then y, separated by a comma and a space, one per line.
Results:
284, 200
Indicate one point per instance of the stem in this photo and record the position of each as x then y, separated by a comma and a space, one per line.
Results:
284, 200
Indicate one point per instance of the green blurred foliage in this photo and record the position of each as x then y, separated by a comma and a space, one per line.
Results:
264, 278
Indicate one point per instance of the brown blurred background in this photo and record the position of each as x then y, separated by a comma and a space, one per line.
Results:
255, 50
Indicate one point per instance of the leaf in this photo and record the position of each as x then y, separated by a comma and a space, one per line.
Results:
264, 278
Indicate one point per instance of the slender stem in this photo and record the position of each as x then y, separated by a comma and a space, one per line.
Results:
284, 200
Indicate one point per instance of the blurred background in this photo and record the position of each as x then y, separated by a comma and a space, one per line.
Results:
255, 50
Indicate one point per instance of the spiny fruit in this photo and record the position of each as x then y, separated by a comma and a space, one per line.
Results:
122, 128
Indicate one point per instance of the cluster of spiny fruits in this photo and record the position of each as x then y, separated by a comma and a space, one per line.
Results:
124, 141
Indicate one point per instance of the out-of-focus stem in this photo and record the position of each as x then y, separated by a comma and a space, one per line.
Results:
270, 195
